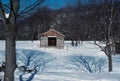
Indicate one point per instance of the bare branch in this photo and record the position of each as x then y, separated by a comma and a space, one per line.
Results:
2, 12
29, 8
14, 6
111, 18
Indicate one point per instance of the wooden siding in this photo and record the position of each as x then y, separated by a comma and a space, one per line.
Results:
47, 42
60, 41
43, 41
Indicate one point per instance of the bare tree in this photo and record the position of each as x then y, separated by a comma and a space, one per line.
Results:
10, 31
107, 35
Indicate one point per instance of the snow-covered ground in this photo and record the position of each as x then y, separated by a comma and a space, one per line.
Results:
68, 64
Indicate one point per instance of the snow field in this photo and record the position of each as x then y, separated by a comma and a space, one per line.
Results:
59, 67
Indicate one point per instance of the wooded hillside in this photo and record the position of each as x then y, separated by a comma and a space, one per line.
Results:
78, 22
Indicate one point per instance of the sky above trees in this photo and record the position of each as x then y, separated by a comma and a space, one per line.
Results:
54, 4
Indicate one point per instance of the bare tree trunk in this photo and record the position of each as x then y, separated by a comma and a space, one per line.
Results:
76, 42
10, 59
72, 42
109, 38
108, 52
110, 58
110, 63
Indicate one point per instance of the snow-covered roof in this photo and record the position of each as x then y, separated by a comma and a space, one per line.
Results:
52, 32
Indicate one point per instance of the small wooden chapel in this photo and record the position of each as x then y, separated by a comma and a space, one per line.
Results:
51, 38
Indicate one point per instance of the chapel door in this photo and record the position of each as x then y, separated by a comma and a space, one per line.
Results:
51, 41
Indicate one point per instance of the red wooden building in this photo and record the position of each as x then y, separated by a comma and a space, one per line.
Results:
51, 38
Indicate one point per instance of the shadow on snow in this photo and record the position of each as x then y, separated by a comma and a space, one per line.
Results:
31, 62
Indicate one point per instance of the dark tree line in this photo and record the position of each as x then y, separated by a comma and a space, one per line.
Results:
36, 23
78, 22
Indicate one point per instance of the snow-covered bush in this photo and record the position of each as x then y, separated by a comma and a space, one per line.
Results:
89, 64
